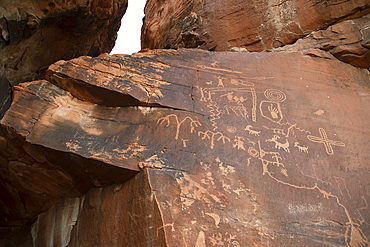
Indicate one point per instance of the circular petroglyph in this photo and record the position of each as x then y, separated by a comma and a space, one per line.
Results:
253, 152
275, 95
235, 244
231, 129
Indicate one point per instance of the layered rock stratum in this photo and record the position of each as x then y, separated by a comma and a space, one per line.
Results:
235, 148
255, 25
191, 147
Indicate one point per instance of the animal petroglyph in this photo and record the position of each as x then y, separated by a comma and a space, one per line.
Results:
354, 237
324, 140
275, 130
301, 148
278, 145
252, 132
166, 119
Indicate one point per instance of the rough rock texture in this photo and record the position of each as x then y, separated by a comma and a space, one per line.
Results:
34, 34
118, 215
237, 149
5, 95
255, 25
36, 169
349, 41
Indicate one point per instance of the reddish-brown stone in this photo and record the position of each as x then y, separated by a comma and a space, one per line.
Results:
119, 215
255, 25
34, 34
240, 149
35, 174
349, 41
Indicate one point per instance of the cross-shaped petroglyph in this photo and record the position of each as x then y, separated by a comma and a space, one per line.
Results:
324, 140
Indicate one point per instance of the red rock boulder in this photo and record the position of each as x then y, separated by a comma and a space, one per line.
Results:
254, 25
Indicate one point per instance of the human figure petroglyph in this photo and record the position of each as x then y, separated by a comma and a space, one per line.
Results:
301, 148
324, 140
354, 237
193, 123
278, 145
271, 109
220, 82
239, 142
260, 154
229, 91
202, 96
252, 132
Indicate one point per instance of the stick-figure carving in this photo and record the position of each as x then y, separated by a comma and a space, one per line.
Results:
324, 140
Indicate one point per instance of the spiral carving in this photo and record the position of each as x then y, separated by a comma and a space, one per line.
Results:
275, 95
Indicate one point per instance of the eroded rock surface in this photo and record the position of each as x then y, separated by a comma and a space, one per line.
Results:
349, 41
238, 149
34, 34
37, 167
255, 25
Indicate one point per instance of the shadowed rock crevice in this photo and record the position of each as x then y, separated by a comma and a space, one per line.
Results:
5, 96
131, 206
34, 177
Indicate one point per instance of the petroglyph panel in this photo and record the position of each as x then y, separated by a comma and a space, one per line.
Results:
245, 149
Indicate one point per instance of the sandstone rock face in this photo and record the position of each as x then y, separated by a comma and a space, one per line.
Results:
5, 95
118, 215
349, 41
255, 25
36, 169
34, 34
236, 149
